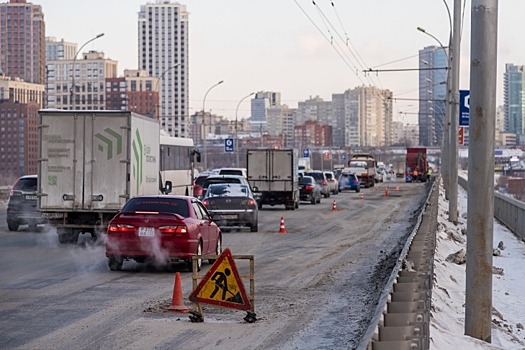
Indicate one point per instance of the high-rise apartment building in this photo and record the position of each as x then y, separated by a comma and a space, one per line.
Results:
91, 71
163, 53
514, 100
22, 41
432, 95
59, 50
19, 105
259, 105
135, 91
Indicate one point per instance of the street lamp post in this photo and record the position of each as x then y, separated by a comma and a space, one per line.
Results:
73, 69
236, 129
204, 124
157, 84
446, 139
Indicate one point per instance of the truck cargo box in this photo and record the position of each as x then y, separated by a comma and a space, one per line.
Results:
96, 160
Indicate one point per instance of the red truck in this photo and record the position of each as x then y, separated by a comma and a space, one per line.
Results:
416, 164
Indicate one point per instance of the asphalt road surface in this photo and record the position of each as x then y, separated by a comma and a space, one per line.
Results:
315, 285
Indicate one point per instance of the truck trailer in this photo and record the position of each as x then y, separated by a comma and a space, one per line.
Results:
90, 164
416, 159
273, 175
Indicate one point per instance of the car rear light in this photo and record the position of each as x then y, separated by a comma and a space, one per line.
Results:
198, 190
325, 183
121, 228
173, 229
309, 187
251, 202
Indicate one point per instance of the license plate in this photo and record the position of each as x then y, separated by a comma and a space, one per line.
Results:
31, 197
146, 231
229, 216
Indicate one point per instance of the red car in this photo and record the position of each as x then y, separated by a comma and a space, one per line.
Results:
162, 229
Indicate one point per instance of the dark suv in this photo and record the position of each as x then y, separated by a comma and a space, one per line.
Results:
22, 208
220, 179
321, 179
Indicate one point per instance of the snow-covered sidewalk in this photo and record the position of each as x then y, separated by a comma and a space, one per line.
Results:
448, 294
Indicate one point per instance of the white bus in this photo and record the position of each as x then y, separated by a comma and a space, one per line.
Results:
177, 155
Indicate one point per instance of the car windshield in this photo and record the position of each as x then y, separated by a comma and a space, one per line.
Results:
306, 180
165, 205
26, 184
231, 172
222, 180
316, 176
358, 165
200, 180
227, 190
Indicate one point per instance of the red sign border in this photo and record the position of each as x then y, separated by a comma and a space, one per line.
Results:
226, 254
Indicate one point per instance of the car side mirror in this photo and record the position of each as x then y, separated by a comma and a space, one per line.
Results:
167, 187
255, 189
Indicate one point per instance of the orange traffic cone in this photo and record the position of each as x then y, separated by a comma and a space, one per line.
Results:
334, 206
282, 229
176, 301
386, 192
362, 195
397, 188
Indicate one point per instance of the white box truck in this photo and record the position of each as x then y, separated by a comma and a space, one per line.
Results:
273, 175
90, 164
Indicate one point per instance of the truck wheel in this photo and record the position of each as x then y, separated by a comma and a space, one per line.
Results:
12, 226
115, 263
254, 228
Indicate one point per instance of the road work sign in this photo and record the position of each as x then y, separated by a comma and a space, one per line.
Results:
222, 286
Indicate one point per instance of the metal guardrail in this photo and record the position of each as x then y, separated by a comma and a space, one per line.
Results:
402, 318
509, 211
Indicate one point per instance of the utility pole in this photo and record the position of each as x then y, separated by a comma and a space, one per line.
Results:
483, 77
454, 116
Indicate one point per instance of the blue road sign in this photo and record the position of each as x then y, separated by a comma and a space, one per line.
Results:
306, 153
228, 145
343, 156
464, 107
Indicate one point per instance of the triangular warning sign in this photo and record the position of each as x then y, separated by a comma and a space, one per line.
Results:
222, 285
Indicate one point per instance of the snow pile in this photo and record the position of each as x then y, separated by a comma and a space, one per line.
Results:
448, 295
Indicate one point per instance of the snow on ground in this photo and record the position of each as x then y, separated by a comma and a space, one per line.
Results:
448, 295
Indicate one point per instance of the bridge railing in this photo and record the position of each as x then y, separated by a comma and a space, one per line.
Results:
509, 211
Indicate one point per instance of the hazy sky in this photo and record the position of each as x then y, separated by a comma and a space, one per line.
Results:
290, 46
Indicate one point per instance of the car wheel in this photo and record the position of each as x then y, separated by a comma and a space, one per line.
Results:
254, 228
12, 226
33, 227
358, 190
115, 263
314, 200
218, 249
199, 261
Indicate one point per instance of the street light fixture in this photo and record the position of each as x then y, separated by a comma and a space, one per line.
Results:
157, 85
236, 129
204, 135
73, 68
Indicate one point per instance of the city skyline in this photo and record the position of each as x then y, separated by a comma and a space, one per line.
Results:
234, 41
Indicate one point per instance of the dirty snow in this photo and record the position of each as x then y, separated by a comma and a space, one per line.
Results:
448, 295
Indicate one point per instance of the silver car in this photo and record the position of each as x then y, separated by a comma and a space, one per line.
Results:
235, 203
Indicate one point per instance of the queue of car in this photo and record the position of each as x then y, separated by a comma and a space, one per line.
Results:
161, 229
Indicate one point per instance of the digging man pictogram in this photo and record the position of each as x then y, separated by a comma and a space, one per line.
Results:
221, 282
